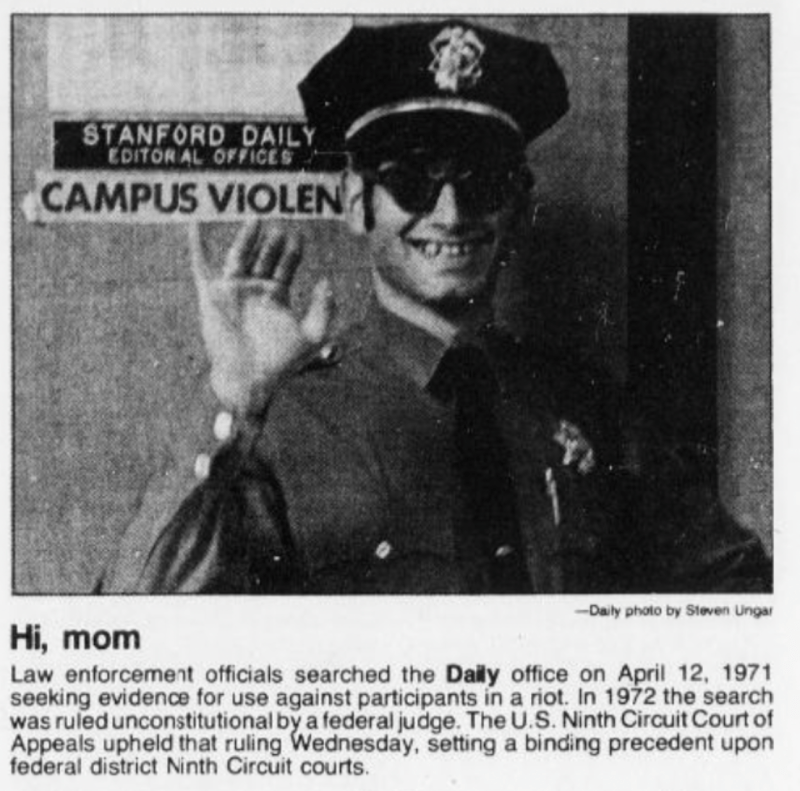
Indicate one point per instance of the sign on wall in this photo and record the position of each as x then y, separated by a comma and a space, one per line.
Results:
177, 170
150, 124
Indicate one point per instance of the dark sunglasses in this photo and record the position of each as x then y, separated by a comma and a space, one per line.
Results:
481, 187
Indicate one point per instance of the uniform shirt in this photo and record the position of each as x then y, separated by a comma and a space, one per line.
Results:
349, 486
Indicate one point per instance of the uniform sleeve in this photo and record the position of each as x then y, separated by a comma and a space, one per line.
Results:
694, 544
225, 534
651, 520
675, 535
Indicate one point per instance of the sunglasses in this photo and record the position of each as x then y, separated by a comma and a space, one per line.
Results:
481, 187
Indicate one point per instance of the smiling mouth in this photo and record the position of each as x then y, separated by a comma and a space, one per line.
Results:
431, 248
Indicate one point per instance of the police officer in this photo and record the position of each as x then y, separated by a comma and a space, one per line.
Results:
423, 451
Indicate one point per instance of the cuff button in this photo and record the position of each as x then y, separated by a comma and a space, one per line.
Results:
223, 426
202, 466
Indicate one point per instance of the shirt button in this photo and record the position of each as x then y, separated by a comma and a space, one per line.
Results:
223, 426
503, 551
202, 466
327, 353
383, 550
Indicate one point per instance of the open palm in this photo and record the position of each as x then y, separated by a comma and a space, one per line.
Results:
253, 338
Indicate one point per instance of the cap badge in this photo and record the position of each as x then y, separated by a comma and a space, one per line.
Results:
457, 59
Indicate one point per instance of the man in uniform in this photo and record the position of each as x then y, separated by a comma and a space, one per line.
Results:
424, 450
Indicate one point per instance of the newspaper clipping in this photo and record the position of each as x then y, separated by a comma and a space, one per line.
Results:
393, 402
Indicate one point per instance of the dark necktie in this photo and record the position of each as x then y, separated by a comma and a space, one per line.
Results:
487, 533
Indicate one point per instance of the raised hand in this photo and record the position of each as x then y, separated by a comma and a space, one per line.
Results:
252, 337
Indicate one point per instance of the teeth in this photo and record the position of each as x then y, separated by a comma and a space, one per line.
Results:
433, 249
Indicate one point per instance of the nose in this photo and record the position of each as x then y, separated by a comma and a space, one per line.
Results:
448, 210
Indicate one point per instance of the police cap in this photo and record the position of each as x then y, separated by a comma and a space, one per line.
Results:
400, 82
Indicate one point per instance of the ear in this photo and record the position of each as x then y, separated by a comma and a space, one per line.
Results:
354, 200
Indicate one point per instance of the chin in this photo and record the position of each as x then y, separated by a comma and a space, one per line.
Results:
455, 300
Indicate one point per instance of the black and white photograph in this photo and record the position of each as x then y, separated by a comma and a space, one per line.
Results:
250, 356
